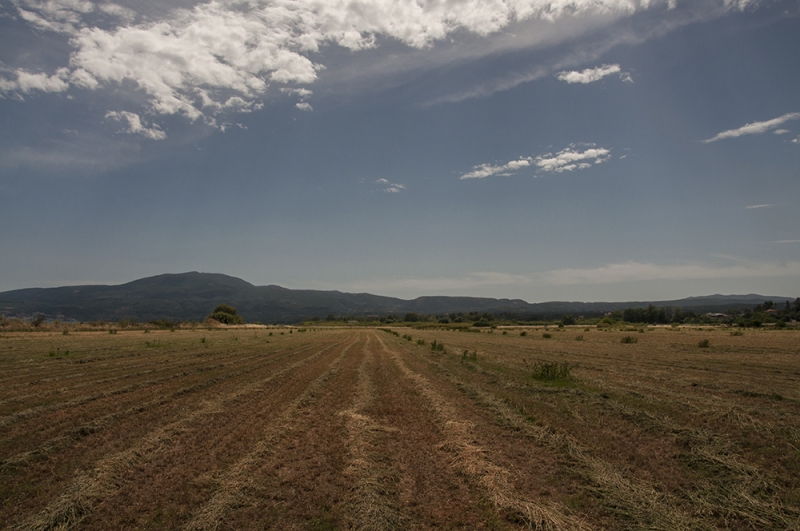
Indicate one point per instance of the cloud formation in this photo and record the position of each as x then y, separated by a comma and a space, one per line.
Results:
590, 75
755, 128
750, 207
569, 159
134, 125
487, 170
389, 187
223, 55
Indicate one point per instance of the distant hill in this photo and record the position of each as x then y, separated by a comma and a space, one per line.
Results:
192, 296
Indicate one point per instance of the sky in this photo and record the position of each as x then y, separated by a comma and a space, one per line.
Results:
585, 150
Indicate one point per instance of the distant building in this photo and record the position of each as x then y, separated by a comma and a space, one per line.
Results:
712, 315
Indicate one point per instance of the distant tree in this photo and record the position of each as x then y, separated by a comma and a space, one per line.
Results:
226, 314
411, 317
567, 320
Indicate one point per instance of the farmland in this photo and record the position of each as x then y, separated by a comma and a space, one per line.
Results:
363, 428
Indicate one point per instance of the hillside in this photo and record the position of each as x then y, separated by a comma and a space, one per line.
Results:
191, 296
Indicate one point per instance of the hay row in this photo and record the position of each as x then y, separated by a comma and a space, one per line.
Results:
231, 487
473, 461
368, 505
74, 434
110, 473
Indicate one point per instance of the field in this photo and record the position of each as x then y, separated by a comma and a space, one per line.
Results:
375, 429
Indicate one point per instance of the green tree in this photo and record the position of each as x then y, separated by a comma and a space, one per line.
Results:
226, 314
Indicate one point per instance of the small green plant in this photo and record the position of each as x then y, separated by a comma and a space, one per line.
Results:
469, 356
549, 371
705, 343
547, 336
629, 339
407, 337
579, 338
270, 333
737, 333
505, 332
420, 341
112, 331
65, 333
438, 347
171, 330
146, 331
203, 340
523, 333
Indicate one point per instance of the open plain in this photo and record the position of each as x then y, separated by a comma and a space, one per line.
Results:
364, 428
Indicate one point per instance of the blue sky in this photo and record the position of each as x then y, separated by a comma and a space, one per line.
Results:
543, 150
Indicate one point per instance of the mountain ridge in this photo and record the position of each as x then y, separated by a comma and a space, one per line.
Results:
192, 295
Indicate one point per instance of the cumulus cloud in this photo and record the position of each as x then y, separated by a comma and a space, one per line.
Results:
780, 131
572, 158
26, 82
134, 125
194, 60
590, 75
569, 159
755, 128
390, 187
487, 170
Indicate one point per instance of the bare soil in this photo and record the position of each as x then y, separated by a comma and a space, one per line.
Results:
364, 429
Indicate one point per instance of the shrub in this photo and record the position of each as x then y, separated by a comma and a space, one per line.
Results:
547, 336
226, 314
439, 347
505, 333
420, 341
629, 339
523, 333
65, 332
550, 371
737, 333
579, 338
470, 356
704, 344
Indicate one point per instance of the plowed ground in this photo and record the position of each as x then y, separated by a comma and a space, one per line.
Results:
364, 429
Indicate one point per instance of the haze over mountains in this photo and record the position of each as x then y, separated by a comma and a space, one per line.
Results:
192, 296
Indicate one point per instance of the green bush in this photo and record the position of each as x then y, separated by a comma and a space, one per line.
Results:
523, 333
629, 339
227, 318
550, 371
547, 336
704, 343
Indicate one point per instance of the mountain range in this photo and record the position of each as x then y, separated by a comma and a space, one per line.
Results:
192, 296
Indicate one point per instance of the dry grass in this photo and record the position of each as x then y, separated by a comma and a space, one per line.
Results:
333, 428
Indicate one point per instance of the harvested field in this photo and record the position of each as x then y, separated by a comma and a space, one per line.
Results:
364, 429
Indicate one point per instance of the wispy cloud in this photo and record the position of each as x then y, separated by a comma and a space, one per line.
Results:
487, 170
390, 187
755, 128
614, 273
134, 125
572, 158
750, 207
568, 159
590, 75
780, 131
786, 241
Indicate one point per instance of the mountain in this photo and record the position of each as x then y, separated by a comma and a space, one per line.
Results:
192, 296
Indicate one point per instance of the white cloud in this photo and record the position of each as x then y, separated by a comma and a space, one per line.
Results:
26, 82
135, 125
304, 106
590, 75
780, 131
786, 241
750, 207
390, 187
568, 159
755, 128
571, 159
487, 170
637, 271
796, 140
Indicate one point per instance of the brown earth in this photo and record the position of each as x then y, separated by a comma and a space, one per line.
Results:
372, 429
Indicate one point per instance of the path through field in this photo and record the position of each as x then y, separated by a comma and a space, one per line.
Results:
374, 430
